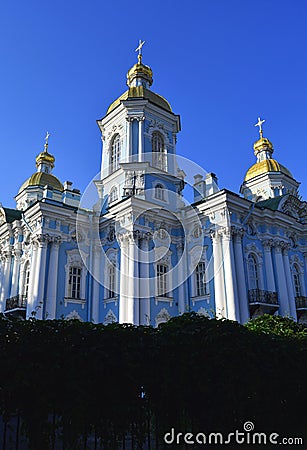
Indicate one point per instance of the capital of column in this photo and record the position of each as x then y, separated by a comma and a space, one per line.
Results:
215, 235
17, 253
41, 240
56, 241
267, 244
226, 234
279, 246
238, 233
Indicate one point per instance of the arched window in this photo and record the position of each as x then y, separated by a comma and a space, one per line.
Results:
115, 153
158, 151
159, 192
297, 281
162, 285
253, 273
200, 279
113, 194
25, 289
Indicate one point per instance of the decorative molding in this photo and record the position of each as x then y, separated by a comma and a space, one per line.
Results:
162, 317
110, 317
73, 315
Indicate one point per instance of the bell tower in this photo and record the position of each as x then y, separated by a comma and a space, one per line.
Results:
139, 140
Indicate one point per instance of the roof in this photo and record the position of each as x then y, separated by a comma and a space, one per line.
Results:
42, 179
141, 92
9, 215
265, 166
270, 203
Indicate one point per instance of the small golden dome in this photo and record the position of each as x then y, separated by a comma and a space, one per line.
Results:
265, 166
42, 179
139, 70
45, 157
263, 144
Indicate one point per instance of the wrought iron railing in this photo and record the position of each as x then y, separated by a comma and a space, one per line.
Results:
18, 301
260, 296
301, 302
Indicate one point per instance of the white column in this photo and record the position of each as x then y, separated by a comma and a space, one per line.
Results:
290, 288
39, 283
22, 276
136, 281
284, 308
15, 275
219, 293
96, 284
181, 287
141, 126
33, 269
144, 293
123, 288
6, 278
128, 139
240, 274
232, 306
267, 245
51, 298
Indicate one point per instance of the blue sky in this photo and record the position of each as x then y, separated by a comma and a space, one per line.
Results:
220, 63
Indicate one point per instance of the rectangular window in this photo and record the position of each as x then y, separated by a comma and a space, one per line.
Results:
162, 280
201, 285
111, 290
74, 282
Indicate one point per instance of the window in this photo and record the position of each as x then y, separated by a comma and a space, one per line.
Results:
74, 282
115, 154
200, 278
159, 154
159, 192
113, 194
297, 281
111, 281
162, 280
26, 282
253, 275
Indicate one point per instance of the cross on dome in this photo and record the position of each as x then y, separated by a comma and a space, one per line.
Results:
259, 124
139, 50
46, 140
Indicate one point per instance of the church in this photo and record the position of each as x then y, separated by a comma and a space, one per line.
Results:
142, 253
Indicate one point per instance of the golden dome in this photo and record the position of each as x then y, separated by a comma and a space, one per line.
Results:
263, 144
41, 179
141, 92
265, 166
139, 70
45, 157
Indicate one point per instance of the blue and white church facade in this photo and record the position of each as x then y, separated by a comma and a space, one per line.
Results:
141, 252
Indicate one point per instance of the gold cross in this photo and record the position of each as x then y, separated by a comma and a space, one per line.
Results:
259, 124
139, 49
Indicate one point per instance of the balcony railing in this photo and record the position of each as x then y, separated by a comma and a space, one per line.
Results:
18, 301
301, 302
262, 297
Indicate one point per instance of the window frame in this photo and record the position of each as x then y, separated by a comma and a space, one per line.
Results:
115, 153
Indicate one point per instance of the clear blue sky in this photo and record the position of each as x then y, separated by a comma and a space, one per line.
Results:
220, 63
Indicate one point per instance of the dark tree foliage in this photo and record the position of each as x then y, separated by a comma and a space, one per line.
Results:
74, 380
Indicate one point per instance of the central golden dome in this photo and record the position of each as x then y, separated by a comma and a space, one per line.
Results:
141, 92
265, 166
